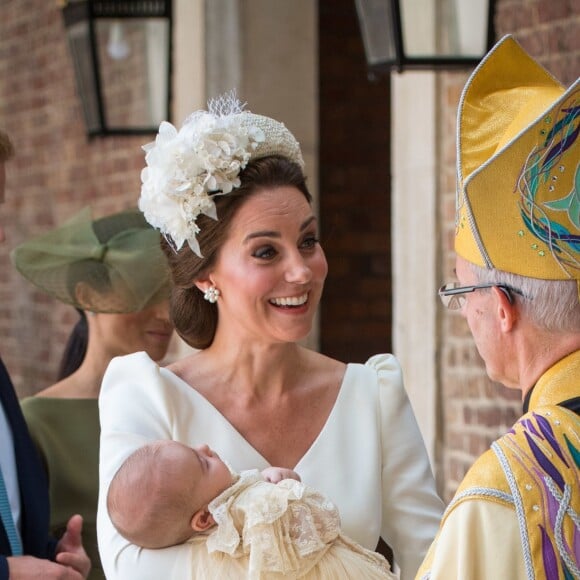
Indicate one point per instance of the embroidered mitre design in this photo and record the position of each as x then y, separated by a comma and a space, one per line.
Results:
540, 457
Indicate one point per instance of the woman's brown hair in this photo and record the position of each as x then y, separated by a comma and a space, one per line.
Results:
194, 318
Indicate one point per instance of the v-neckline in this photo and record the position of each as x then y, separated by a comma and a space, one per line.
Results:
216, 411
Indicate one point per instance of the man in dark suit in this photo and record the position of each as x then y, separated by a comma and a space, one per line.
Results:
26, 550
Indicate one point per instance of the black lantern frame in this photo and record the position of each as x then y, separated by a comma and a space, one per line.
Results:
139, 88
386, 47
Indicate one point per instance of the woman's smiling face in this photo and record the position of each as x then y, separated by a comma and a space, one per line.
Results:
271, 269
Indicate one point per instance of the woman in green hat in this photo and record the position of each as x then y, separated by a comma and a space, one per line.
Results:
114, 273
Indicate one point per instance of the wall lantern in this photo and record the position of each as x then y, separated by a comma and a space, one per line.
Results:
425, 34
121, 50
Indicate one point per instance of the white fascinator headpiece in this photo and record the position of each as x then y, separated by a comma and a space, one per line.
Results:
186, 169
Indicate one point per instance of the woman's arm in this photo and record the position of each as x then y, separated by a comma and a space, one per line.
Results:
412, 509
136, 407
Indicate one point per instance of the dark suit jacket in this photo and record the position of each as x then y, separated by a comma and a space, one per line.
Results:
35, 511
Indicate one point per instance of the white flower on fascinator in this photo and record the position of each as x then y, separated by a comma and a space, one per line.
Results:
187, 168
184, 167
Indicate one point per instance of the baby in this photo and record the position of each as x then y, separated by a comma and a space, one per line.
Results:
254, 525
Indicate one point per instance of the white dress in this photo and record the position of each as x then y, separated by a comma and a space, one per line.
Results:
369, 459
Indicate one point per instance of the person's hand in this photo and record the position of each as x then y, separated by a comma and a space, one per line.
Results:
277, 474
31, 568
70, 551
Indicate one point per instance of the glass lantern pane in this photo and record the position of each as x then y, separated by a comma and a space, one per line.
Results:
80, 49
133, 56
376, 24
444, 28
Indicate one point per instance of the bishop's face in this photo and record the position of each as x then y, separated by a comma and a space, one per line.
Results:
482, 315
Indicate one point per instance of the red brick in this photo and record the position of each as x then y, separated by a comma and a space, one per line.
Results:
553, 10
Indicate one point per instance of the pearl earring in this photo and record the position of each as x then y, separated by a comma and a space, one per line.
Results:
212, 294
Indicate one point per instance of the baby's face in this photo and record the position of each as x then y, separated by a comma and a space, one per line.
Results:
212, 474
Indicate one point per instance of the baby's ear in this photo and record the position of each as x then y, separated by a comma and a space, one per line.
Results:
202, 520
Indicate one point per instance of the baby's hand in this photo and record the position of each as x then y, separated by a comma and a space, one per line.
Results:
277, 474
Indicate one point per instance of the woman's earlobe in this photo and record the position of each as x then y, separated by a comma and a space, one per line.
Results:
203, 284
85, 295
208, 289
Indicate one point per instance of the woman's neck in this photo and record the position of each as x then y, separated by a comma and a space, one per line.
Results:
84, 383
248, 370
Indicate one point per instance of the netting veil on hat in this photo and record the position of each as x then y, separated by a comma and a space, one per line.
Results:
113, 264
187, 168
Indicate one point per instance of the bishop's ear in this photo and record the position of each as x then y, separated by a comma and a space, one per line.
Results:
507, 311
202, 520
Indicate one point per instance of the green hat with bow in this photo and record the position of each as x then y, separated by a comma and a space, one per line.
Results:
112, 264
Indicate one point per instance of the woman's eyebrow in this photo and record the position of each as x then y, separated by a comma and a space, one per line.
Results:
274, 234
263, 234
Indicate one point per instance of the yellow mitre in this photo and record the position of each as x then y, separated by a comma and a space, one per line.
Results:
518, 168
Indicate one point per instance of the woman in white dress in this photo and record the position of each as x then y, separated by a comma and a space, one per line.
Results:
228, 192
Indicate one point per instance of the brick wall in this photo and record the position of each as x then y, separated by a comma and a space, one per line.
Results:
354, 190
476, 411
56, 172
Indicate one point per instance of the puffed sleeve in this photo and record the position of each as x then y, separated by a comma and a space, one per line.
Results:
134, 409
412, 509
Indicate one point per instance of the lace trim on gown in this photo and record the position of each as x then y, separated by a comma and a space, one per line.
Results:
284, 528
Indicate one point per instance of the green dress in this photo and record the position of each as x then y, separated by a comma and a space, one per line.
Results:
66, 432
